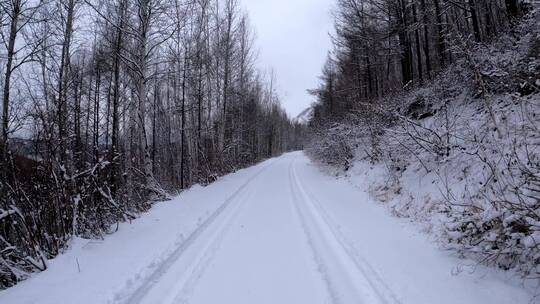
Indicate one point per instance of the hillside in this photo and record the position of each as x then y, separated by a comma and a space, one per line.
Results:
460, 154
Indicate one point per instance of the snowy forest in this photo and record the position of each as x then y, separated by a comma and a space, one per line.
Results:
151, 151
436, 104
108, 106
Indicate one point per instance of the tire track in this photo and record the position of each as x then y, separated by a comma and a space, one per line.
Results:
186, 285
366, 282
331, 288
153, 279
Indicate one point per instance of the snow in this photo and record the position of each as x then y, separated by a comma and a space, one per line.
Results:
6, 213
279, 232
404, 258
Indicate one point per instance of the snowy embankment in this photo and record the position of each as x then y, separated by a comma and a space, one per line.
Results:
459, 155
280, 232
398, 260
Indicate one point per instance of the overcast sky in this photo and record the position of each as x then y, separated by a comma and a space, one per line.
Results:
293, 39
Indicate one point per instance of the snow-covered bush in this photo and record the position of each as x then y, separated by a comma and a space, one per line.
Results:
334, 147
487, 177
500, 219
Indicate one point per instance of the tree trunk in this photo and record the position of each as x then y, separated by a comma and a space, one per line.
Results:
183, 126
512, 7
418, 45
64, 154
475, 22
405, 44
441, 48
116, 100
7, 78
145, 15
426, 38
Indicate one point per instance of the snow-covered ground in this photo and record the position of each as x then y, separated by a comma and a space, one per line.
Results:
279, 232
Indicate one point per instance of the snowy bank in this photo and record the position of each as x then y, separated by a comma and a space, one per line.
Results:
460, 155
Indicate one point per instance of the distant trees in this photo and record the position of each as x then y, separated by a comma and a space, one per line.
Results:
120, 103
383, 46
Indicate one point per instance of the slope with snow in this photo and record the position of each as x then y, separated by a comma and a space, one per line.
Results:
305, 116
279, 232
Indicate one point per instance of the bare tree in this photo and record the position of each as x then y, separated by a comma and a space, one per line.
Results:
19, 14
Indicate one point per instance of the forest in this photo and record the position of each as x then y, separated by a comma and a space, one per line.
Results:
142, 139
442, 97
109, 106
383, 47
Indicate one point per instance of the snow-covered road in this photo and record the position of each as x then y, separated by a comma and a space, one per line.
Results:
280, 232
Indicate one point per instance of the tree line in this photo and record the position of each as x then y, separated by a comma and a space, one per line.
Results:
385, 46
110, 105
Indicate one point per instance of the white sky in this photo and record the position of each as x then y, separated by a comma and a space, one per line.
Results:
293, 38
